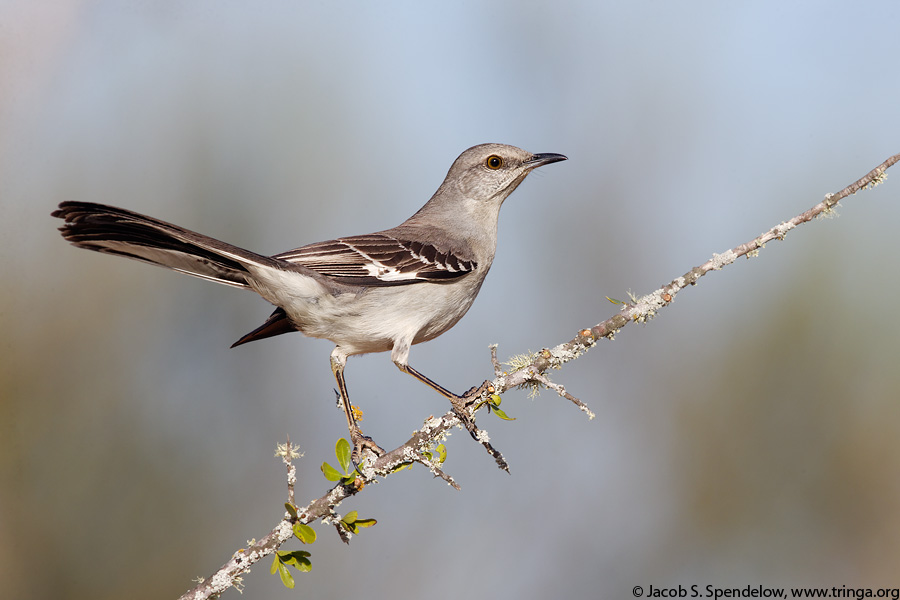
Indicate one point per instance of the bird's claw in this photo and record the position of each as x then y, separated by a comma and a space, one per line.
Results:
361, 443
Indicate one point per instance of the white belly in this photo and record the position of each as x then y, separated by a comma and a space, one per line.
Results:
372, 320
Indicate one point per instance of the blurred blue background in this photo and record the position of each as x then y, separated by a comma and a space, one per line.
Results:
745, 436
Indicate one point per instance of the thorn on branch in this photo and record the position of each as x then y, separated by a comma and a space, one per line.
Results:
289, 452
436, 470
467, 420
559, 389
498, 368
345, 535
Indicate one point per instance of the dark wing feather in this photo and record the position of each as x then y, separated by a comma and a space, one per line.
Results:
381, 259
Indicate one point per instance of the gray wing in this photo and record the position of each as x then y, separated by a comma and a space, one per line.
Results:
382, 259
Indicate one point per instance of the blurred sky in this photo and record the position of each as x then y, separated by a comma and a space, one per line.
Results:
744, 437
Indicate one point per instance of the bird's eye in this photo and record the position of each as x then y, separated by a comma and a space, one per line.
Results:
493, 162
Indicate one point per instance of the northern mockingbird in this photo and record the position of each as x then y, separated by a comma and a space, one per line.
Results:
367, 293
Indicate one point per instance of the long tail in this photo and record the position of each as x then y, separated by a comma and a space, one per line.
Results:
118, 231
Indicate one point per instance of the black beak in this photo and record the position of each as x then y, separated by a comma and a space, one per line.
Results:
539, 160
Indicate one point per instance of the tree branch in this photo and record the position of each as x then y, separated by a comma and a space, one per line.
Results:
526, 371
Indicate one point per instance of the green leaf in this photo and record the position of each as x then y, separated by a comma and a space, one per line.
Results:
503, 415
330, 473
286, 578
294, 559
352, 522
303, 564
343, 452
442, 453
292, 510
304, 533
495, 399
275, 564
349, 521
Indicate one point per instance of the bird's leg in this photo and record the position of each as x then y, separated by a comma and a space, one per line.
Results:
456, 401
460, 409
360, 442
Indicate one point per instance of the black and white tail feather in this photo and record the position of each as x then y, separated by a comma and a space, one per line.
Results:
125, 233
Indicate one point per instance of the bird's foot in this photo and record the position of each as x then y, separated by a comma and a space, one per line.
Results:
361, 444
